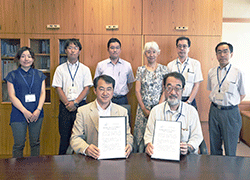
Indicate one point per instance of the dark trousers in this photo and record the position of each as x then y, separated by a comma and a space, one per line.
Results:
120, 100
66, 122
224, 126
184, 99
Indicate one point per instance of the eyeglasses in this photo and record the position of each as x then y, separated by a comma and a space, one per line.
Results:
113, 47
179, 46
225, 51
170, 89
75, 48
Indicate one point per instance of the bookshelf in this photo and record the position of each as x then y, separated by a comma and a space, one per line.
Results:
41, 47
9, 48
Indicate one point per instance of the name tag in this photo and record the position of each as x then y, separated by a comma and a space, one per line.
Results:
30, 98
219, 96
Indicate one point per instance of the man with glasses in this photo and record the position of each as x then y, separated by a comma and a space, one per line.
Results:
189, 68
226, 84
72, 81
118, 69
173, 109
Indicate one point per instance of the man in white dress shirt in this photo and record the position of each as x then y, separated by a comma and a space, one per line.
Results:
226, 84
173, 109
189, 68
72, 81
118, 69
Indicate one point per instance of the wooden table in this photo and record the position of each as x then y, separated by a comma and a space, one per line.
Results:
137, 166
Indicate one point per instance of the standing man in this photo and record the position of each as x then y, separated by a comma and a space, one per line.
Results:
72, 81
189, 68
84, 137
118, 69
175, 110
226, 84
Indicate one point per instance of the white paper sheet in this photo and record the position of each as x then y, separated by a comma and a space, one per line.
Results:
166, 140
112, 137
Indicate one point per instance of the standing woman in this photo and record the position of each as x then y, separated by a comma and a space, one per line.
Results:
148, 91
26, 90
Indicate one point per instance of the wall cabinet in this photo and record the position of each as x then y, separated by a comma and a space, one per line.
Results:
201, 17
126, 14
12, 16
67, 14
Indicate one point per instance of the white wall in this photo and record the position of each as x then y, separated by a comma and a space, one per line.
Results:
236, 8
238, 34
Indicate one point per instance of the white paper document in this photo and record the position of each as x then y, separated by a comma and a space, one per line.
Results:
112, 137
166, 140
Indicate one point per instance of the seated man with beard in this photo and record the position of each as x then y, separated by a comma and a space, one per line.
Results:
173, 109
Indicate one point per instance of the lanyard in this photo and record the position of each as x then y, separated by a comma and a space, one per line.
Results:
179, 115
220, 83
73, 78
32, 82
183, 68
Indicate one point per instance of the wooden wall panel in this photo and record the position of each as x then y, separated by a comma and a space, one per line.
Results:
201, 17
160, 17
202, 49
6, 142
99, 14
125, 14
68, 14
95, 50
12, 16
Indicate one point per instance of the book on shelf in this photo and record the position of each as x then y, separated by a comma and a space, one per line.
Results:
8, 66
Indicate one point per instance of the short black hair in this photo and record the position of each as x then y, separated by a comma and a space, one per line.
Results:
106, 78
74, 41
175, 75
112, 40
183, 38
20, 52
225, 43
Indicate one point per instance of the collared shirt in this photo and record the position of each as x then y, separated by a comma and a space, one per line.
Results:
190, 69
101, 112
121, 72
104, 112
191, 132
62, 78
231, 89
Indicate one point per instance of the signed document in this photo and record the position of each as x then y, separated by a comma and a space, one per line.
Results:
112, 137
166, 140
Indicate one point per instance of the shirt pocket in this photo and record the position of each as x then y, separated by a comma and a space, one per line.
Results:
232, 87
190, 77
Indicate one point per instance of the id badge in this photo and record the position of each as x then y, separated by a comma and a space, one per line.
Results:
30, 98
219, 96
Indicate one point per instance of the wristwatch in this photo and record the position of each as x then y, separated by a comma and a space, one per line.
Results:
190, 150
76, 104
189, 102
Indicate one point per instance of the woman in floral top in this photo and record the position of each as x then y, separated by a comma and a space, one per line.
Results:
148, 91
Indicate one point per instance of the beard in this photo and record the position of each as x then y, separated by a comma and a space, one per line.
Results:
173, 101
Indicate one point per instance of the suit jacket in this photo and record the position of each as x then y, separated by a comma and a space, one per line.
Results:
85, 129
